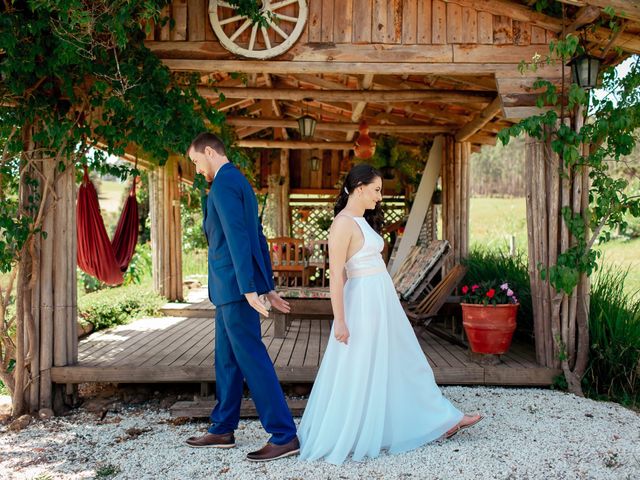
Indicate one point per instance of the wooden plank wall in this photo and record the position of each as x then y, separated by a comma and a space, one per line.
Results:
300, 173
420, 22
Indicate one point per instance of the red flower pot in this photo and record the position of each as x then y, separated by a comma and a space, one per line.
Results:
489, 328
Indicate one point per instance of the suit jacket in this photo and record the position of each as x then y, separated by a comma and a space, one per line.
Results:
238, 255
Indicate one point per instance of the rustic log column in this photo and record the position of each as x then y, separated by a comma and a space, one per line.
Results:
46, 294
272, 217
284, 212
166, 230
560, 320
455, 198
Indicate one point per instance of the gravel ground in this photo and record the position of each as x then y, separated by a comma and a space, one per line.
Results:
527, 433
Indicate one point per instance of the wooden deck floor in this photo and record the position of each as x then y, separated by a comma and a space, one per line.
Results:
180, 349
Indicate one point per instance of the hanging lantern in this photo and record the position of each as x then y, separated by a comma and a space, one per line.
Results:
364, 146
585, 70
314, 162
306, 123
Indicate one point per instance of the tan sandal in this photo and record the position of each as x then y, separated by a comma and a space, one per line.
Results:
459, 427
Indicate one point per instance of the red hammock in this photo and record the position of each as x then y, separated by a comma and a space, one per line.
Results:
106, 260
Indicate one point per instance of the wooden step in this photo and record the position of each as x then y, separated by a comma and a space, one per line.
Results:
201, 408
202, 310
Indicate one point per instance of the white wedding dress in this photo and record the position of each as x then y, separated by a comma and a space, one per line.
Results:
378, 392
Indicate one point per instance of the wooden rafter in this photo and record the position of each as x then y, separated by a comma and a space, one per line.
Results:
585, 16
358, 108
295, 144
484, 117
629, 9
336, 126
378, 68
377, 96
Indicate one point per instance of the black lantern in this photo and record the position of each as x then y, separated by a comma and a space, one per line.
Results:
306, 123
584, 71
315, 163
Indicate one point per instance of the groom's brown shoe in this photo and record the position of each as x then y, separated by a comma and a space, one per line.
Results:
271, 451
213, 440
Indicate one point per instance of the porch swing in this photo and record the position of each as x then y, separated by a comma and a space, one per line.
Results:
97, 255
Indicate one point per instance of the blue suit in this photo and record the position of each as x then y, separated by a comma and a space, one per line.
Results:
239, 263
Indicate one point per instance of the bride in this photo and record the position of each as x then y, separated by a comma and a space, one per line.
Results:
375, 389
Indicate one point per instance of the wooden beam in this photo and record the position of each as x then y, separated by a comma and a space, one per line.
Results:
521, 112
377, 96
513, 10
480, 120
358, 109
295, 144
629, 9
585, 16
421, 204
384, 68
335, 126
614, 38
629, 42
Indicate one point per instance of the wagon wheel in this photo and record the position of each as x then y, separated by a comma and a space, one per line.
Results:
259, 45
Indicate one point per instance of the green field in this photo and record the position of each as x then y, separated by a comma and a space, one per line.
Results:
494, 220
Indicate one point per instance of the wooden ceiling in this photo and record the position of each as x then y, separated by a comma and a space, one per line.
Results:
410, 68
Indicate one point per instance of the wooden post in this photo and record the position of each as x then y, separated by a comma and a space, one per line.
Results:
285, 216
420, 204
455, 198
166, 231
560, 320
46, 307
273, 205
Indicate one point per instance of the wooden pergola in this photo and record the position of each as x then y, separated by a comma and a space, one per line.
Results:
413, 69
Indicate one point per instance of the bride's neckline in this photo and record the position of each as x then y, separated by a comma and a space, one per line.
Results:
352, 216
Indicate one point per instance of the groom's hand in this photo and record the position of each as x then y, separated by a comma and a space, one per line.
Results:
278, 302
258, 306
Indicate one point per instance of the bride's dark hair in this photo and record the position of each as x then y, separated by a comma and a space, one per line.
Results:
362, 174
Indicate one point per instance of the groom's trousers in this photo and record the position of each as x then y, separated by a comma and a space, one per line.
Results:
240, 354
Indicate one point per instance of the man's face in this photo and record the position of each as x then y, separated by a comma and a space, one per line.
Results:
202, 162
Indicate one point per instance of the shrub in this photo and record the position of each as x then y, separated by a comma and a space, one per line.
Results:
614, 337
140, 265
489, 265
117, 306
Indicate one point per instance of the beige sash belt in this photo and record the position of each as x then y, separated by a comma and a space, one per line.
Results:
365, 272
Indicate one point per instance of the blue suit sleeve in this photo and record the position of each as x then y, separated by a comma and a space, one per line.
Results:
229, 205
267, 258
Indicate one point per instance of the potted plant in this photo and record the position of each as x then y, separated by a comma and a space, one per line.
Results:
386, 155
489, 312
395, 160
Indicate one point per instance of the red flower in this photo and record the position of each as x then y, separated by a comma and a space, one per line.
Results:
491, 293
465, 289
474, 287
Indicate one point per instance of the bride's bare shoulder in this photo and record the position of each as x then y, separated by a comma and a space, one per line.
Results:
342, 225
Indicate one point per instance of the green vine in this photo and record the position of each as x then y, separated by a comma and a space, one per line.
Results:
78, 85
253, 10
608, 130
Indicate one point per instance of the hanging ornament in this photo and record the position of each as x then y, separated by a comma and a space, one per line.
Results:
364, 146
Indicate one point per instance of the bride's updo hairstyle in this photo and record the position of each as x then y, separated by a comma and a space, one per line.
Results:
361, 174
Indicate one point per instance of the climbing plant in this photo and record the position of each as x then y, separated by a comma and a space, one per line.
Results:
77, 84
586, 133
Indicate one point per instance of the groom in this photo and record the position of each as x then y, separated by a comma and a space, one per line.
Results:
239, 271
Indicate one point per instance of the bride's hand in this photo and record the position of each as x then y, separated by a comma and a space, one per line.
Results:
341, 332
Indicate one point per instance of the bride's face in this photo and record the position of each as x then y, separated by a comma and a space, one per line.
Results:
371, 194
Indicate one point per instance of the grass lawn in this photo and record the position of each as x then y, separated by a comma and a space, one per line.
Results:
494, 220
111, 194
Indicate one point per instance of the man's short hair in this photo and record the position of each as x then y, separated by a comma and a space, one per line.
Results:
207, 139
